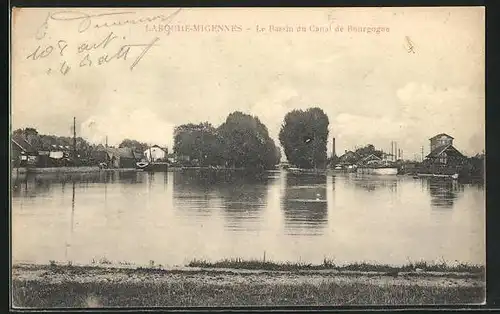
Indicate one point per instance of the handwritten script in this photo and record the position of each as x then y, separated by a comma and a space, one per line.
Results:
104, 20
410, 46
98, 53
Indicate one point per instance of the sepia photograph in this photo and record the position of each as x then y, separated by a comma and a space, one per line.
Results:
247, 157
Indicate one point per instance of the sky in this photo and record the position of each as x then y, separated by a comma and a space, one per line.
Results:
375, 88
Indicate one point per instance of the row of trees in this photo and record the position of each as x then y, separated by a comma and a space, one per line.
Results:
242, 141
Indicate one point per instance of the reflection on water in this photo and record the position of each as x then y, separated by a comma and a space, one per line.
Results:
177, 216
444, 192
373, 183
305, 203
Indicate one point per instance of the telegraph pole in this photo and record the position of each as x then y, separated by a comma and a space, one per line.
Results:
422, 153
74, 138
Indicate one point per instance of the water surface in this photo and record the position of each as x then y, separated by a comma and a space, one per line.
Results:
172, 218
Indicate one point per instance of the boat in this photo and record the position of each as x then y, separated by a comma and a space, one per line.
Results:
378, 170
306, 171
434, 175
142, 164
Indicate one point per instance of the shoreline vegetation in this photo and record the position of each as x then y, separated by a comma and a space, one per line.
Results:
238, 282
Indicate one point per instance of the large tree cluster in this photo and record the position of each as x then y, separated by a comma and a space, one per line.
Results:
304, 136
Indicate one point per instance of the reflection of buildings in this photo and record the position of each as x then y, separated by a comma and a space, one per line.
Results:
305, 203
129, 177
372, 183
444, 192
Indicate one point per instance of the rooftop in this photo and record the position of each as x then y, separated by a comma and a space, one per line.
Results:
439, 135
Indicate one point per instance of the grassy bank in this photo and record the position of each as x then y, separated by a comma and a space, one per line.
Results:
237, 263
99, 286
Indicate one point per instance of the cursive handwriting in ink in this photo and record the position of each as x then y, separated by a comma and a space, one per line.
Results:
64, 68
88, 47
84, 18
88, 20
62, 44
42, 30
410, 47
146, 49
40, 53
165, 19
121, 54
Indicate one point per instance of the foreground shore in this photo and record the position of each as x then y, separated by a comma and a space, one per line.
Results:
111, 286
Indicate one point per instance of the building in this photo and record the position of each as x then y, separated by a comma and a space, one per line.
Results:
155, 153
371, 159
139, 156
22, 153
120, 157
440, 140
99, 154
443, 152
349, 157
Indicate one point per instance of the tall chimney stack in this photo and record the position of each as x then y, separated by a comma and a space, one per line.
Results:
333, 147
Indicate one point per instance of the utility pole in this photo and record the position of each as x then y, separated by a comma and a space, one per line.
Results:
392, 151
106, 141
422, 153
74, 138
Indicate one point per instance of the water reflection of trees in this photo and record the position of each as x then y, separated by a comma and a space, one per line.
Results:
193, 189
305, 203
243, 198
444, 192
240, 195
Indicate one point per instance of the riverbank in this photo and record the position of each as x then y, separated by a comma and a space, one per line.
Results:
68, 170
113, 285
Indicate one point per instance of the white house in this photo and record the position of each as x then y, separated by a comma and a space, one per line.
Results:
155, 153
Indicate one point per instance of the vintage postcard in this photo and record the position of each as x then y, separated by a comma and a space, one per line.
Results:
182, 157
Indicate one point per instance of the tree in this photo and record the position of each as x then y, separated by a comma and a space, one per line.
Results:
133, 144
246, 142
198, 141
304, 136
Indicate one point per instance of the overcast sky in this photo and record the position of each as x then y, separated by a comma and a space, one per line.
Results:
371, 87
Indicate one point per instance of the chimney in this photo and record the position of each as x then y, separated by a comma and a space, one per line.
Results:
333, 147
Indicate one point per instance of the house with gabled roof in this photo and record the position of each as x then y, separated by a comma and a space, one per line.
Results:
370, 160
22, 152
121, 157
349, 157
443, 152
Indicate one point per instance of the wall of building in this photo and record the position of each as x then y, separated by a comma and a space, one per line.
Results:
440, 141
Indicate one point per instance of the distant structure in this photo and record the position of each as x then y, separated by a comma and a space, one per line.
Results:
155, 153
333, 147
349, 158
442, 150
